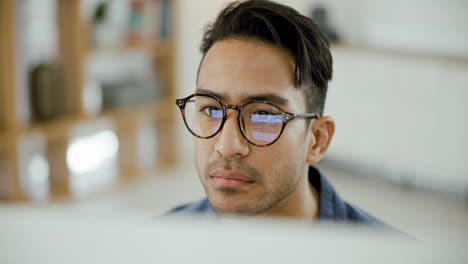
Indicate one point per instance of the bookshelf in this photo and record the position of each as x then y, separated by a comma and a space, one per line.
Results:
53, 137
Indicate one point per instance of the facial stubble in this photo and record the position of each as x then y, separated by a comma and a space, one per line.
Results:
230, 201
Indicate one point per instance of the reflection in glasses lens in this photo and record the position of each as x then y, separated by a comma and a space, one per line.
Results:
260, 123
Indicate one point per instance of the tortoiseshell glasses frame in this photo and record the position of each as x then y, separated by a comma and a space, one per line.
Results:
286, 116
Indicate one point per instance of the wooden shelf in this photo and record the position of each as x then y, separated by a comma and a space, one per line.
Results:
3, 141
154, 111
163, 49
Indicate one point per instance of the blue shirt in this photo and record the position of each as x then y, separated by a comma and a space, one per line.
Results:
332, 206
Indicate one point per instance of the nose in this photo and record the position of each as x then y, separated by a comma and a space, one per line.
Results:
230, 141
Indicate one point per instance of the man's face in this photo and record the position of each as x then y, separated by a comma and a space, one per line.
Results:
240, 178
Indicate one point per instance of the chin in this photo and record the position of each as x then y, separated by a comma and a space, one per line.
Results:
231, 206
236, 212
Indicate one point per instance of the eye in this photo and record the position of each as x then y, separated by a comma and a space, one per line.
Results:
263, 112
267, 116
212, 111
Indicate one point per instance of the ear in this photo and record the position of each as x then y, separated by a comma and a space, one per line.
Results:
322, 130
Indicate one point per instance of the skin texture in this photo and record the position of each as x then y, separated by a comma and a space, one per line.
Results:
235, 70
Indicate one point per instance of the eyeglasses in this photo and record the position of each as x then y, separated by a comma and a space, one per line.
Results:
261, 123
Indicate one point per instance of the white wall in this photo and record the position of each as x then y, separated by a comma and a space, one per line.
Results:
407, 114
401, 113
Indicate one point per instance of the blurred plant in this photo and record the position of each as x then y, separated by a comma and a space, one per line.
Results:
100, 14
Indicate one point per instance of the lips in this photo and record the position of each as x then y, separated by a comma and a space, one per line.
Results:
230, 179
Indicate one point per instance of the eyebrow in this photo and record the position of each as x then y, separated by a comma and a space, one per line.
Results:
268, 97
209, 92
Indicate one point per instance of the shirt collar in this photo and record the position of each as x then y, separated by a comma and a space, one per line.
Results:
332, 207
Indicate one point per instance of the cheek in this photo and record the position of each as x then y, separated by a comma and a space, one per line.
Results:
274, 158
291, 147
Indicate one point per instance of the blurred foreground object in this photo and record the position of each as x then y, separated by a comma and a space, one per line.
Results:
205, 241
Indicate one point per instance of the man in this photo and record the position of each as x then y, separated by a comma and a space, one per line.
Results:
257, 117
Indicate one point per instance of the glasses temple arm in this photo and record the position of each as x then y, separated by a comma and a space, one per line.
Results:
306, 115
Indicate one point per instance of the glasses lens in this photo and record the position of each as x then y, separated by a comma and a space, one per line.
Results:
261, 123
203, 115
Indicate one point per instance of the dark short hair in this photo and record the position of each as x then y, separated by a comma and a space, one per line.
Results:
282, 26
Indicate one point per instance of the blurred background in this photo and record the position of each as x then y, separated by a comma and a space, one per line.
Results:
88, 124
